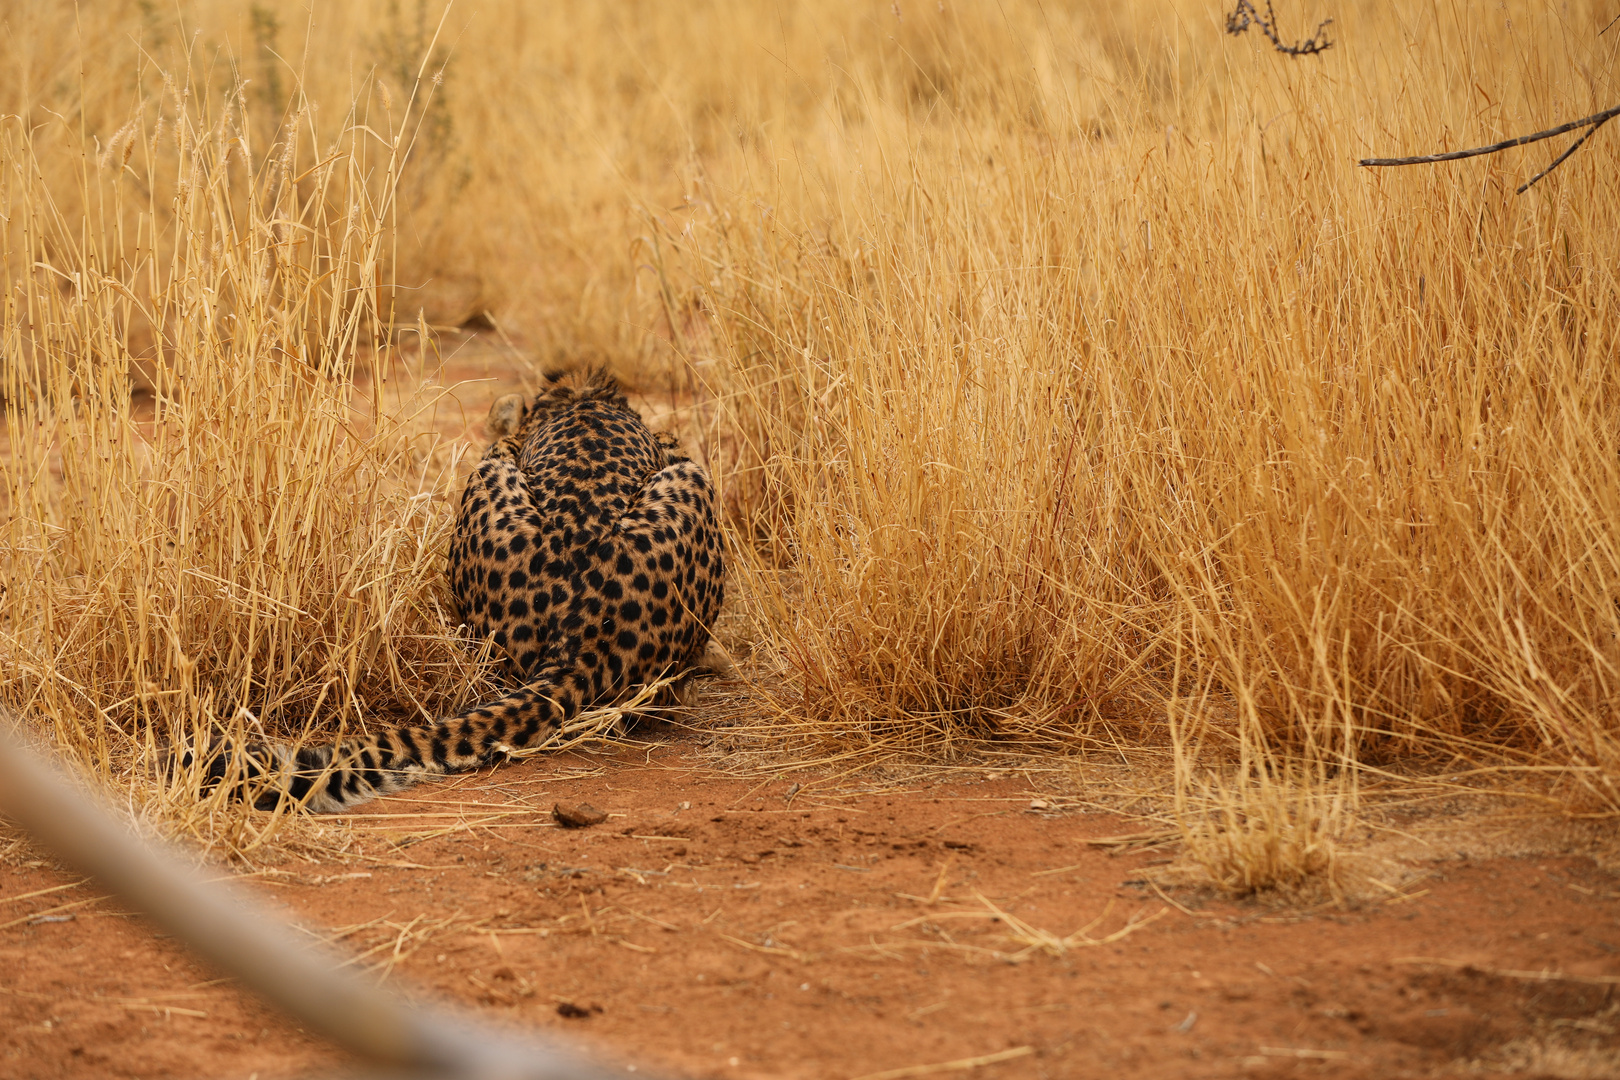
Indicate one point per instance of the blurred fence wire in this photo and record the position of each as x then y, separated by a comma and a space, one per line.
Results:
239, 938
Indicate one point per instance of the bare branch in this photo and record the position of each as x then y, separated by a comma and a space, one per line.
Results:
1246, 15
1457, 155
1591, 123
1559, 160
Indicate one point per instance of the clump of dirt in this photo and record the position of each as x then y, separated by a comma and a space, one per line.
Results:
577, 816
714, 926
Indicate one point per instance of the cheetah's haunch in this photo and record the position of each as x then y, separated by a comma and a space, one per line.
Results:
587, 548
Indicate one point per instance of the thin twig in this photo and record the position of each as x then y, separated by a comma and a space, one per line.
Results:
961, 1065
1508, 973
1594, 121
1245, 15
1559, 160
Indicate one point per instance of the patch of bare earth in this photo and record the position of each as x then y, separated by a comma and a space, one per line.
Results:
717, 927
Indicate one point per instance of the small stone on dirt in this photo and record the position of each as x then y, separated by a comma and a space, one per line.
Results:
569, 1011
577, 816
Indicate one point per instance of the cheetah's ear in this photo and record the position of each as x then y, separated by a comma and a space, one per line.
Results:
506, 416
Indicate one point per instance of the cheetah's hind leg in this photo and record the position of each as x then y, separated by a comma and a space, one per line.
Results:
681, 693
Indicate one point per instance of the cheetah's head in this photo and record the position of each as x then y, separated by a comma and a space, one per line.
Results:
561, 391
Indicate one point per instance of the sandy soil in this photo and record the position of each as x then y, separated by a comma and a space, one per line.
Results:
719, 927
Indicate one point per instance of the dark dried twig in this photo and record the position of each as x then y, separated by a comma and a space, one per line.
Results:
1592, 123
1246, 15
1559, 160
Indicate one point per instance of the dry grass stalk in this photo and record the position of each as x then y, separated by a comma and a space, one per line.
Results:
1033, 939
770, 950
1037, 940
958, 1065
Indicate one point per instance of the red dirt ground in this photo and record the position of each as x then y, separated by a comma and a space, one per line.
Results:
715, 927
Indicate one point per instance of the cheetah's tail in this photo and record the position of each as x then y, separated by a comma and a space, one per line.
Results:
344, 773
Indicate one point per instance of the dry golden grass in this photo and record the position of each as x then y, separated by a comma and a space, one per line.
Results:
1067, 382
247, 543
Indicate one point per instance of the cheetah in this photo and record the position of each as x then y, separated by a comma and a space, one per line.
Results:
587, 549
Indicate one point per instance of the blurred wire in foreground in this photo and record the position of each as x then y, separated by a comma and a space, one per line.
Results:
240, 939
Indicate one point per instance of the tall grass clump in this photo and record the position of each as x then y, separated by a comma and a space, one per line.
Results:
219, 516
1141, 400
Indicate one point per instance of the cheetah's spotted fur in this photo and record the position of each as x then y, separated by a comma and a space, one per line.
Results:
587, 548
